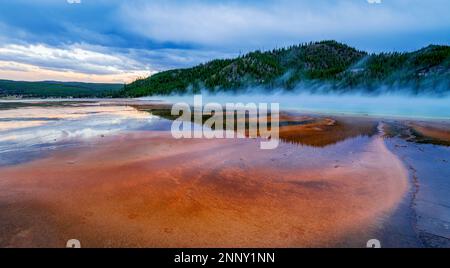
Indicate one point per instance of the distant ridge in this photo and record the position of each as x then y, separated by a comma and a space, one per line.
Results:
56, 89
326, 66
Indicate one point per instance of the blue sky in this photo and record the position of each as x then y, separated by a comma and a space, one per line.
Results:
118, 41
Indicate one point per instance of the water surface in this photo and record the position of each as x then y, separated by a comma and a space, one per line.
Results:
381, 106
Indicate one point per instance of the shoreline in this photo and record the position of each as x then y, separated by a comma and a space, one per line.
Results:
428, 202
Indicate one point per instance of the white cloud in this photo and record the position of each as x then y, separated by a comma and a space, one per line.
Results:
71, 61
74, 1
73, 57
93, 63
374, 1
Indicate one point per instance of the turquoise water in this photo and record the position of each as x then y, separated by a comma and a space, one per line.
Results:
383, 106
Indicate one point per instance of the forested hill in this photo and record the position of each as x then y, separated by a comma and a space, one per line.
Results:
326, 66
54, 89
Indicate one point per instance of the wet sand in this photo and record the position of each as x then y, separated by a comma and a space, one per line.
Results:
146, 189
428, 202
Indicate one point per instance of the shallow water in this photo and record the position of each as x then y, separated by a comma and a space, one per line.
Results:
29, 131
36, 139
199, 193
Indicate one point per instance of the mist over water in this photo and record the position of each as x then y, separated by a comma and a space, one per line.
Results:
414, 107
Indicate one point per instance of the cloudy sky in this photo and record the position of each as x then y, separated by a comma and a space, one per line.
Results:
120, 40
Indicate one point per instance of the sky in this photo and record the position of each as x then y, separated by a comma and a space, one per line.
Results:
118, 41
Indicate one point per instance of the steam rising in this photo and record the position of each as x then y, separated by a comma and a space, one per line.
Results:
383, 105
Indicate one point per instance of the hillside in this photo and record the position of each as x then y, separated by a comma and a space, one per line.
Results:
326, 66
53, 89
